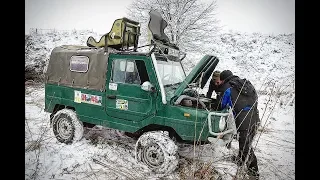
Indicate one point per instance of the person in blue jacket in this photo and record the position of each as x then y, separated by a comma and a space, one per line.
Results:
246, 117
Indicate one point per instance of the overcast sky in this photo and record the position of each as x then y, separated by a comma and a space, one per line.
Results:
265, 16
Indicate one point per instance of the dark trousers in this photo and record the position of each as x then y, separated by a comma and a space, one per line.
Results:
245, 149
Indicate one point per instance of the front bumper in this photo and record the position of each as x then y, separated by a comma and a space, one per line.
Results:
225, 136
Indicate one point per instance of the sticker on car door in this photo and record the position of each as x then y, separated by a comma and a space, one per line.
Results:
122, 104
113, 86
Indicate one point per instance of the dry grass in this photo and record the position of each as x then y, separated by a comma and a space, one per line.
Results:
195, 169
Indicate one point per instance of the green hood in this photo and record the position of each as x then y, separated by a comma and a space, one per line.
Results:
206, 66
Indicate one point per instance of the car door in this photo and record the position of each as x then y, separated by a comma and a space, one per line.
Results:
125, 98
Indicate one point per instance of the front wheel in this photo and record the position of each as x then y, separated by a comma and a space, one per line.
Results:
156, 150
66, 126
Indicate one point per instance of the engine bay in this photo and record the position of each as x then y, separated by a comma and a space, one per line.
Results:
191, 98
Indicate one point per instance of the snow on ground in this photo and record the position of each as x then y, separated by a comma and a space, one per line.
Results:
266, 60
263, 59
109, 154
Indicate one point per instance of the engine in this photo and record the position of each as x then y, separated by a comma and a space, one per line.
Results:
191, 98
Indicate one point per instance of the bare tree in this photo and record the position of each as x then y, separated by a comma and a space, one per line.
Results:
191, 23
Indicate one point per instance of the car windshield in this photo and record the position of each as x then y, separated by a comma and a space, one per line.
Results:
171, 72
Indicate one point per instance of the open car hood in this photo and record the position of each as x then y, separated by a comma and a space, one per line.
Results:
204, 68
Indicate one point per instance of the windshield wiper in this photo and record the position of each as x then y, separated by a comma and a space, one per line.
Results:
168, 85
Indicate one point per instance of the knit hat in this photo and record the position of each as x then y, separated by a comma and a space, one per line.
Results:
215, 75
225, 74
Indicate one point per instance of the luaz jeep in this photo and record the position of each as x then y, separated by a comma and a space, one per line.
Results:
110, 83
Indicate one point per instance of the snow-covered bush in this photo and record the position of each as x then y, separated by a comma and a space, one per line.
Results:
257, 57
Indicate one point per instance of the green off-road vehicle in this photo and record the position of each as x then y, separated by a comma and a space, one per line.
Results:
147, 94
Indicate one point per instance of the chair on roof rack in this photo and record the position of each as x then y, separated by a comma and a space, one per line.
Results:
156, 26
124, 34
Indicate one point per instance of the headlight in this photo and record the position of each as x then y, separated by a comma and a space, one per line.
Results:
222, 123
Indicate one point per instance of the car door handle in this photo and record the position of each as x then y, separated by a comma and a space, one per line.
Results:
111, 96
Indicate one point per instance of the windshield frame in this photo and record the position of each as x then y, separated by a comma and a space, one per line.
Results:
171, 72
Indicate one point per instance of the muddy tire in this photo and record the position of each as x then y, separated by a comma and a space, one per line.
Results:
66, 126
157, 151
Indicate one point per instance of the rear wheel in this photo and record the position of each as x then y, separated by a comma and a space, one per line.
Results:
156, 150
66, 126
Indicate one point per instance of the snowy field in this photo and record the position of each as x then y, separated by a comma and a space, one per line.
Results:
267, 61
109, 154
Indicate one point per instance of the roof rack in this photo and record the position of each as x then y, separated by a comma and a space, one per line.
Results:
125, 34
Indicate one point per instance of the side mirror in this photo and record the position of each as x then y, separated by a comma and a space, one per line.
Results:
147, 86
